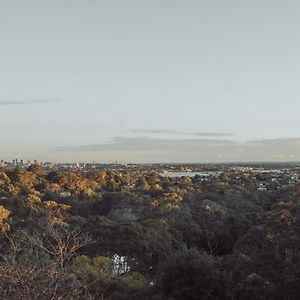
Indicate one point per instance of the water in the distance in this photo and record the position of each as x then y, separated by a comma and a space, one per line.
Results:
188, 174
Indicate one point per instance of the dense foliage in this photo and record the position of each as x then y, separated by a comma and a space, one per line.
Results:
130, 235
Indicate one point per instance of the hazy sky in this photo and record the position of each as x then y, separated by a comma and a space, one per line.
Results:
145, 81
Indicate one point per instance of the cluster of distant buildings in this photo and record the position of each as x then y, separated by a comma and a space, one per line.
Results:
18, 163
79, 166
23, 164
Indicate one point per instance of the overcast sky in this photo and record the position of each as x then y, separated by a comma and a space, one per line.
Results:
150, 81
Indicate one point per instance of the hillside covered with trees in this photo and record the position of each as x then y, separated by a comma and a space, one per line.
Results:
112, 235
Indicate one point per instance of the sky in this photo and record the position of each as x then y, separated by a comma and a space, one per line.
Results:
150, 81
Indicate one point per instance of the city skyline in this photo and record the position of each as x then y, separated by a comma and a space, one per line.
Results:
150, 81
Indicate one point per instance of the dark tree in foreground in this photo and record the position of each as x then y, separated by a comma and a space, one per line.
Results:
191, 275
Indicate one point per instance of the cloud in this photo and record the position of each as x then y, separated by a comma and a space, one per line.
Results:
150, 144
149, 149
276, 141
213, 134
157, 131
182, 133
27, 102
153, 150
